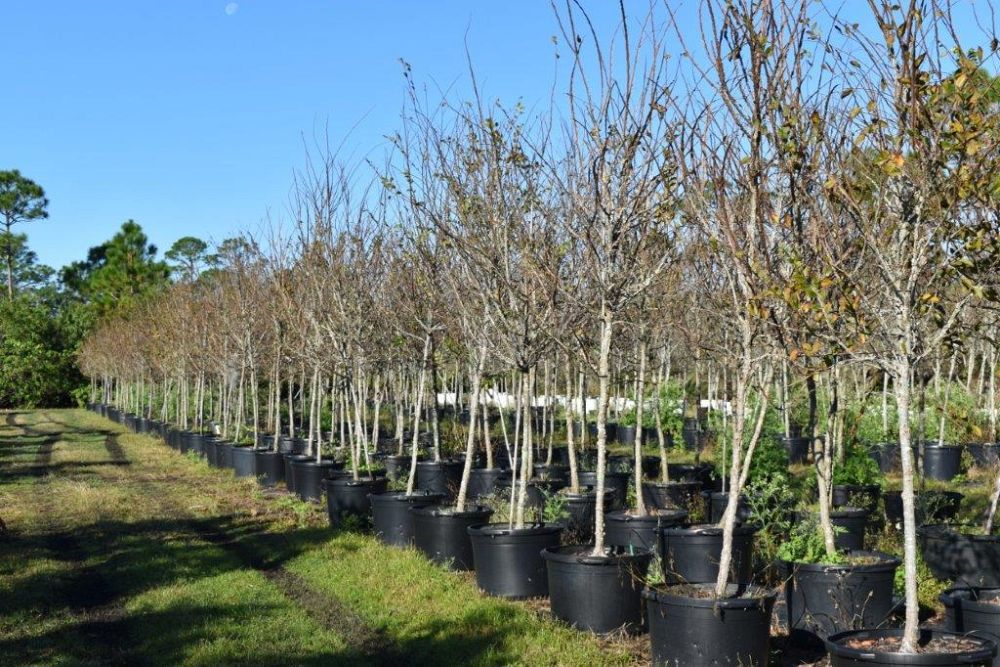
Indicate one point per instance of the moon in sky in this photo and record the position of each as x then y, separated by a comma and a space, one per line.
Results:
232, 8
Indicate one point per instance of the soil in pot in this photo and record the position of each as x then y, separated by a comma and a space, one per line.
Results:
624, 529
823, 600
392, 520
596, 593
689, 626
269, 467
966, 558
616, 482
347, 500
691, 555
508, 560
442, 533
440, 476
881, 647
308, 475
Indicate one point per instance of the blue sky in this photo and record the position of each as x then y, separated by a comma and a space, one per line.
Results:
190, 119
188, 115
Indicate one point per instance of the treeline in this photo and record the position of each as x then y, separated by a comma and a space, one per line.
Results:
47, 313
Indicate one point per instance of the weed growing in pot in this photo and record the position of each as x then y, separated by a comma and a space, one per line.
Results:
858, 469
554, 509
770, 502
805, 544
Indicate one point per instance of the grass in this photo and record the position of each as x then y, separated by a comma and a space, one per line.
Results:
120, 550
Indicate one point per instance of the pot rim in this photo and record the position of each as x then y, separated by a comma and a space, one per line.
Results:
835, 648
350, 481
709, 529
889, 562
743, 602
671, 483
655, 515
580, 554
954, 594
504, 530
448, 511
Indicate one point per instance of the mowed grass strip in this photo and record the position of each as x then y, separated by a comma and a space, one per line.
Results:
176, 543
98, 569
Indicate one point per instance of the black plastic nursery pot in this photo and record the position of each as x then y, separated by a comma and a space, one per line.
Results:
932, 506
973, 611
244, 461
582, 508
694, 472
350, 499
823, 600
966, 559
984, 455
942, 462
397, 466
640, 532
843, 655
309, 475
392, 520
483, 482
440, 476
193, 442
509, 560
290, 445
442, 535
865, 496
224, 454
290, 471
651, 466
670, 495
626, 434
717, 503
536, 492
210, 445
797, 449
689, 630
553, 471
269, 467
887, 455
616, 482
852, 522
599, 593
691, 555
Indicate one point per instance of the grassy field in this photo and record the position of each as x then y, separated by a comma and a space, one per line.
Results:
119, 550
